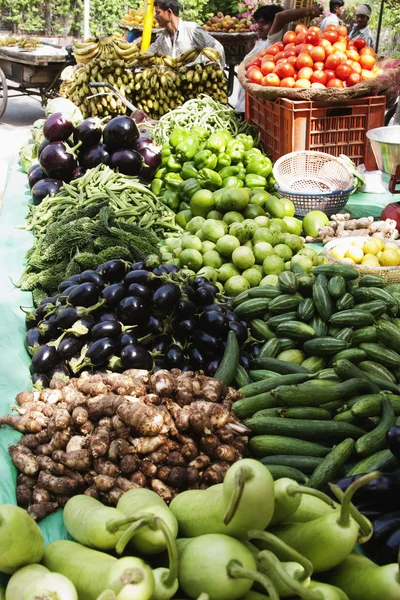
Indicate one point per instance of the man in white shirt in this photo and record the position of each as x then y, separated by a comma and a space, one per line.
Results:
361, 28
179, 36
270, 23
336, 10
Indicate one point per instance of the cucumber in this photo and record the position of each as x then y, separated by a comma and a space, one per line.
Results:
332, 270
286, 344
265, 291
268, 412
279, 471
324, 346
376, 439
279, 366
333, 330
270, 349
374, 293
314, 363
346, 416
328, 375
285, 303
241, 298
375, 307
337, 286
332, 464
230, 360
260, 330
383, 460
320, 328
354, 355
369, 366
249, 406
345, 334
372, 281
250, 309
346, 370
306, 464
371, 405
261, 374
322, 301
345, 302
273, 322
293, 356
261, 387
265, 445
242, 377
384, 384
385, 356
352, 318
311, 430
288, 282
352, 286
364, 334
389, 335
317, 392
306, 309
297, 330
304, 413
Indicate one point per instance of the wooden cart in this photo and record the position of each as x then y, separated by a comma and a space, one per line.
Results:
35, 73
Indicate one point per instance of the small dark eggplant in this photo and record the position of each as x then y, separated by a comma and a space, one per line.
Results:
197, 281
185, 309
215, 307
160, 344
113, 294
212, 367
100, 351
63, 298
166, 297
60, 371
114, 270
77, 173
40, 381
57, 128
137, 265
42, 147
207, 342
35, 175
127, 338
67, 317
91, 276
203, 295
69, 346
132, 310
151, 155
45, 187
196, 357
104, 315
121, 132
128, 162
393, 440
140, 290
184, 329
174, 357
85, 294
214, 322
240, 331
89, 132
58, 161
49, 330
93, 156
171, 268
154, 326
64, 285
245, 360
135, 357
139, 276
44, 359
109, 329
33, 340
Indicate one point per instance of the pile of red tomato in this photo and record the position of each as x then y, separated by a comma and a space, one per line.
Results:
308, 58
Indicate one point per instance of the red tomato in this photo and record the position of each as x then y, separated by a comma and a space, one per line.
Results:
274, 49
331, 27
317, 85
335, 83
284, 70
298, 48
304, 60
267, 57
255, 75
329, 74
281, 60
360, 43
307, 48
343, 72
329, 50
319, 77
300, 28
288, 82
302, 83
299, 38
367, 50
281, 45
353, 79
319, 66
292, 60
271, 80
352, 54
316, 29
289, 37
280, 55
331, 36
267, 67
311, 37
290, 46
324, 43
254, 63
305, 73
317, 53
367, 61
340, 46
356, 66
333, 61
342, 30
290, 52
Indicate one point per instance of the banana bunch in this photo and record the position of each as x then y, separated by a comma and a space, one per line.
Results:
106, 49
156, 90
78, 89
187, 57
8, 40
28, 43
135, 18
204, 78
149, 59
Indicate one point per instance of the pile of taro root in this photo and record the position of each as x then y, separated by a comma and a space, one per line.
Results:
105, 433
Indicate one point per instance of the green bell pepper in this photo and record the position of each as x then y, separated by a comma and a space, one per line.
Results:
229, 172
251, 153
156, 186
217, 142
188, 188
165, 156
259, 165
177, 136
172, 181
227, 134
171, 199
201, 132
223, 160
160, 173
232, 182
188, 148
173, 164
184, 206
236, 151
211, 180
189, 170
253, 181
183, 217
205, 160
246, 140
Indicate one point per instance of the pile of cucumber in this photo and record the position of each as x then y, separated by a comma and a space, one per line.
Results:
323, 391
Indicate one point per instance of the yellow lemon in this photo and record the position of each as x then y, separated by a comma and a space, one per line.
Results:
390, 258
379, 242
369, 258
355, 253
348, 260
339, 252
371, 246
390, 245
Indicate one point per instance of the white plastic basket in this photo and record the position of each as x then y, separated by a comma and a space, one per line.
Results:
308, 172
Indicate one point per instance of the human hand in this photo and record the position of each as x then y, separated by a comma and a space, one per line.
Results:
316, 10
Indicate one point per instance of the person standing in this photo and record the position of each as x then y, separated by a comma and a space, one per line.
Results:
270, 22
336, 10
178, 35
361, 28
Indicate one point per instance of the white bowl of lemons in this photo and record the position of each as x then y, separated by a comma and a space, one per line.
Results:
369, 255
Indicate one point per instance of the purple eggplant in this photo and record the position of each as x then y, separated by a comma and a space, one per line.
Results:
58, 160
109, 329
90, 276
45, 187
44, 359
132, 310
113, 294
120, 133
136, 357
89, 132
166, 297
42, 147
393, 440
151, 155
114, 270
35, 174
78, 172
100, 351
128, 162
85, 294
93, 156
57, 128
69, 346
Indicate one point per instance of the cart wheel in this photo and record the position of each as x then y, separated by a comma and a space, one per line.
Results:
3, 93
